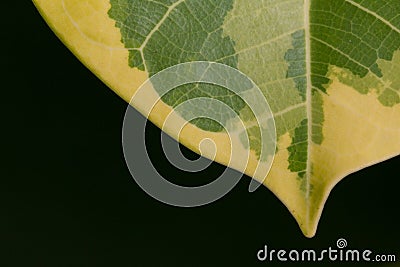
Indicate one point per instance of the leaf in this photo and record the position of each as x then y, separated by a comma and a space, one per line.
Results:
329, 70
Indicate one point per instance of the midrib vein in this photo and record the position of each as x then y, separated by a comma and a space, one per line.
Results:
307, 6
158, 25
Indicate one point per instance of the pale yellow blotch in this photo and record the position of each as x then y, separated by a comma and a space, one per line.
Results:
87, 31
358, 132
286, 184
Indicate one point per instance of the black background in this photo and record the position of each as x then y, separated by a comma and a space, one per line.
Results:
67, 198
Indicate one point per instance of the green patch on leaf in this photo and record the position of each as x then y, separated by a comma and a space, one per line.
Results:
298, 150
352, 35
161, 34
